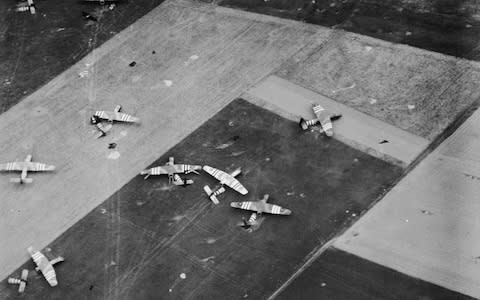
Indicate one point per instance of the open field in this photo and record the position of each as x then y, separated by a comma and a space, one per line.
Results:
343, 276
34, 49
192, 59
427, 225
138, 242
233, 53
354, 128
445, 26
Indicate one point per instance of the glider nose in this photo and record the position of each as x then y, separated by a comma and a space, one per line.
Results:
53, 282
286, 212
236, 204
147, 173
50, 168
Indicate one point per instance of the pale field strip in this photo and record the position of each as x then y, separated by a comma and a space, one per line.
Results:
419, 91
233, 50
354, 128
440, 244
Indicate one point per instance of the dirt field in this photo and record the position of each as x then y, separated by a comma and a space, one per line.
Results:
138, 242
208, 57
34, 49
191, 60
340, 275
354, 128
427, 226
446, 26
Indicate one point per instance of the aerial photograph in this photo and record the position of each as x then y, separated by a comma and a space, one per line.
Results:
240, 149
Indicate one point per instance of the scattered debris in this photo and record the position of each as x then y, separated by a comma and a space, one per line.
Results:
408, 33
183, 275
136, 78
345, 88
384, 142
211, 241
60, 29
207, 259
267, 159
426, 212
230, 123
323, 284
103, 210
471, 176
190, 59
302, 195
88, 16
355, 160
224, 145
103, 128
290, 193
114, 155
238, 153
178, 218
132, 64
468, 26
112, 145
354, 215
111, 6
368, 48
373, 101
168, 83
410, 106
83, 74
347, 211
228, 143
406, 220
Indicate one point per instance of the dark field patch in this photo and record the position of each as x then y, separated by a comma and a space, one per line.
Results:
152, 241
450, 27
340, 275
36, 48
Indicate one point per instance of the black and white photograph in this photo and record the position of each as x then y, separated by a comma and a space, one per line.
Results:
240, 149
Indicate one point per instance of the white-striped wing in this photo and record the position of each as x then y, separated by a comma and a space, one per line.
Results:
12, 166
324, 118
122, 117
226, 179
39, 167
116, 116
45, 266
